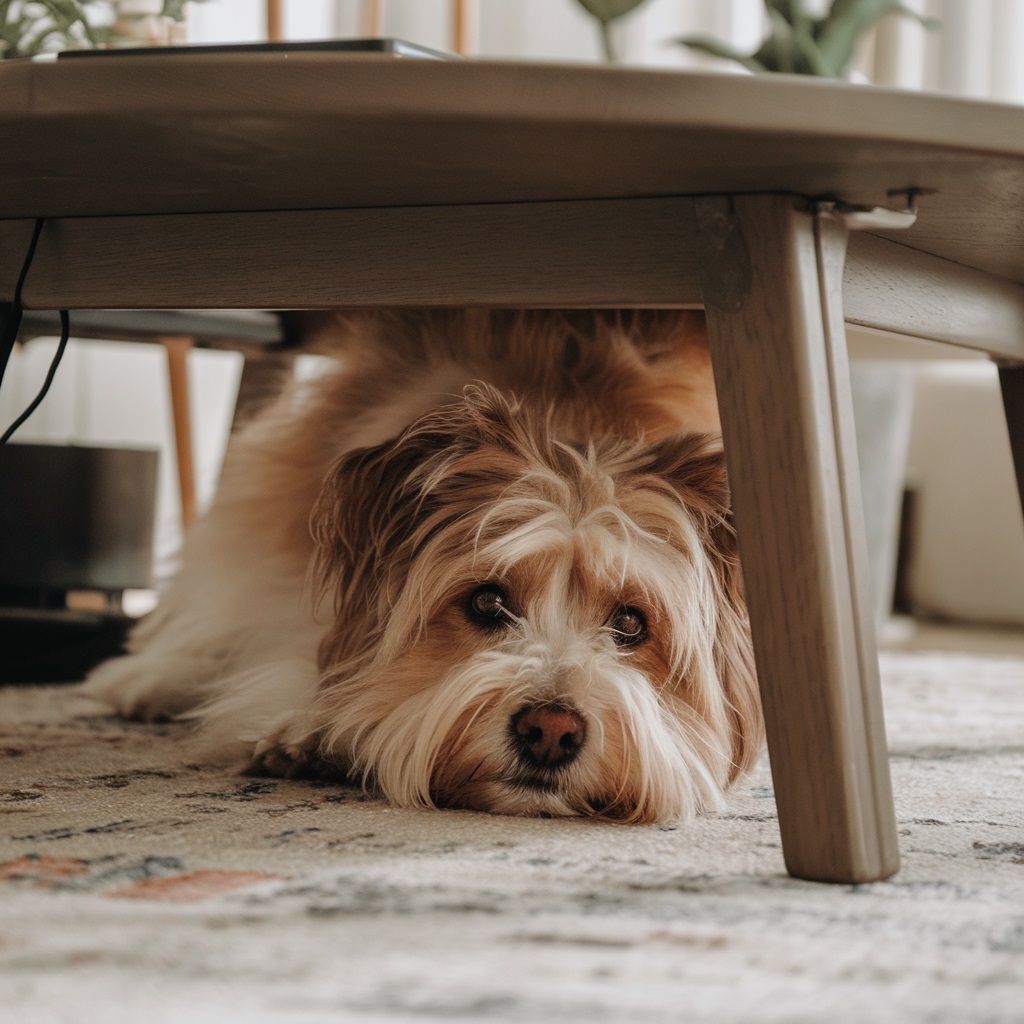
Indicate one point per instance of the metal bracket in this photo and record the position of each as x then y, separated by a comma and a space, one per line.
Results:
867, 218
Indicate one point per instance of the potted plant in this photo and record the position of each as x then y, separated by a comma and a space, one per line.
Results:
797, 42
800, 44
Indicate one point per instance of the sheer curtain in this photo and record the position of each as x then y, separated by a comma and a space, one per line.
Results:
975, 52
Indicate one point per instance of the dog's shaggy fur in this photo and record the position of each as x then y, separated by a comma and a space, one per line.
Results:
485, 561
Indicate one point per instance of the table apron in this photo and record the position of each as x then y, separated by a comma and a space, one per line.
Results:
585, 253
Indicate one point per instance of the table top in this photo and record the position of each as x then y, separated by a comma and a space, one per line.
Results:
194, 133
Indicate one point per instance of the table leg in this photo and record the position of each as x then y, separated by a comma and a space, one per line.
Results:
1011, 380
772, 289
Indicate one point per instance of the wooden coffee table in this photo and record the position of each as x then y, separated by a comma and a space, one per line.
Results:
312, 180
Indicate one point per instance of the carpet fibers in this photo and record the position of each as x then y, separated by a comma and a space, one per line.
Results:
136, 885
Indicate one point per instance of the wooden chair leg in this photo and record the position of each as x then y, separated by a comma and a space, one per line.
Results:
1011, 380
181, 408
275, 20
772, 293
372, 18
464, 21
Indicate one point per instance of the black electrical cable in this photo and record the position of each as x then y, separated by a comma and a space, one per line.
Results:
65, 331
10, 336
13, 324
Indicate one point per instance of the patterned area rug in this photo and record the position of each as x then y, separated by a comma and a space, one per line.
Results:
135, 885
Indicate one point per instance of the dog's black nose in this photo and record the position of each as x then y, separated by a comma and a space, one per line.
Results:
548, 737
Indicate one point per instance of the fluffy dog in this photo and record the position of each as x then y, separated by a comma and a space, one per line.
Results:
485, 561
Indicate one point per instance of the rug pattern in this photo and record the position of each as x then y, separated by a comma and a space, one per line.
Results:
137, 884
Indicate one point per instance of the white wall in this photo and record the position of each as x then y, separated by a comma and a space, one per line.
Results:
967, 541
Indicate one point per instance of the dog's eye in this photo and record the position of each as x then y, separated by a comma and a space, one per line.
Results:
489, 606
628, 626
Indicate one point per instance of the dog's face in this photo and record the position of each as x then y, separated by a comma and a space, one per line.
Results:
529, 627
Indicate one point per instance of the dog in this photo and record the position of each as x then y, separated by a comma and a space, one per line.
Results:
484, 561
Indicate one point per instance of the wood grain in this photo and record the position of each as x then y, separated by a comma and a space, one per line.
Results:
238, 132
609, 253
782, 380
889, 286
613, 252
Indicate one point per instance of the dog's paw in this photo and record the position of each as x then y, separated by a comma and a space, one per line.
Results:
291, 750
280, 763
140, 686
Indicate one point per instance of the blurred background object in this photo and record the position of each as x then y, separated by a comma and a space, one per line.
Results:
966, 540
75, 518
799, 42
76, 532
115, 394
32, 27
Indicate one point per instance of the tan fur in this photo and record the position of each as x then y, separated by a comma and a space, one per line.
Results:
322, 615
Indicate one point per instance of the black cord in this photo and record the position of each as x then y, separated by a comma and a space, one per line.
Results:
13, 324
65, 331
10, 336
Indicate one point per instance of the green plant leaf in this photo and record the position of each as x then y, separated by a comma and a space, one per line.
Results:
779, 51
608, 10
802, 53
837, 35
174, 9
875, 9
809, 58
64, 21
799, 44
29, 26
792, 11
605, 12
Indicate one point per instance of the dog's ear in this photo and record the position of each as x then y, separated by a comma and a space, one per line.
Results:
695, 467
368, 509
379, 505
